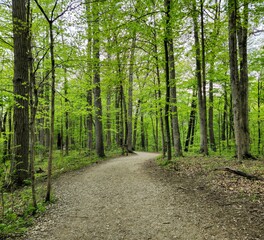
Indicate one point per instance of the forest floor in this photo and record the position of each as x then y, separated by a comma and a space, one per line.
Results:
133, 198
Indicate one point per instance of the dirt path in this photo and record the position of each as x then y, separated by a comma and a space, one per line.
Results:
123, 199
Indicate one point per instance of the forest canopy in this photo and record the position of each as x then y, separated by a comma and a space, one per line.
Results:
165, 76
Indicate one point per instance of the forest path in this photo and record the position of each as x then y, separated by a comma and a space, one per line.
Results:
123, 199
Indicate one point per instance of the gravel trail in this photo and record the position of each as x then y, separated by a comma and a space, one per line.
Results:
120, 199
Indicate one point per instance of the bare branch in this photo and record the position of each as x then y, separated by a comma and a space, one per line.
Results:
52, 11
42, 10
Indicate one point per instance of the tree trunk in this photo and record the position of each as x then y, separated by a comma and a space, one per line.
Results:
167, 76
135, 125
242, 46
21, 93
201, 86
89, 94
98, 103
190, 131
239, 86
142, 134
160, 109
211, 113
33, 98
52, 112
130, 96
167, 124
259, 115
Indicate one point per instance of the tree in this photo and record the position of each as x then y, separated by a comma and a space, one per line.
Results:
200, 75
21, 92
96, 81
51, 20
172, 76
237, 33
167, 77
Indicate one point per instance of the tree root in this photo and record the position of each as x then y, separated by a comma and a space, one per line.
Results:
240, 173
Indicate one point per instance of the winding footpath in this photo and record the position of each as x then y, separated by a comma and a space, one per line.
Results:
120, 199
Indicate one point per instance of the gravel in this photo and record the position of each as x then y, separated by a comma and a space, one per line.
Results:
123, 199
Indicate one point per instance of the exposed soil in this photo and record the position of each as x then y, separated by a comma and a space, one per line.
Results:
132, 198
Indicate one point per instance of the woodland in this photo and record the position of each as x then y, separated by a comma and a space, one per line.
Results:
84, 79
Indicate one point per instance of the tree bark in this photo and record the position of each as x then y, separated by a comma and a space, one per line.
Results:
89, 94
201, 86
172, 81
21, 93
238, 34
190, 131
167, 104
97, 88
135, 125
242, 34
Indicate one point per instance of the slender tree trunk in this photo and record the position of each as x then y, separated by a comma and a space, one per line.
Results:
89, 94
191, 124
33, 98
259, 118
211, 114
204, 105
135, 125
167, 124
21, 92
160, 109
201, 86
174, 110
142, 128
108, 121
130, 96
52, 113
167, 75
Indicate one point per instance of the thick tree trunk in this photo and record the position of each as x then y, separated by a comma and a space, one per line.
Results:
98, 104
239, 86
242, 45
97, 88
21, 93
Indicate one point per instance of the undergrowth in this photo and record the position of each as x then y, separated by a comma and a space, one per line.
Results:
16, 208
211, 170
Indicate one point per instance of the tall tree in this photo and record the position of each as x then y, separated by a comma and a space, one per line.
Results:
200, 75
21, 92
96, 81
239, 83
51, 20
172, 76
130, 95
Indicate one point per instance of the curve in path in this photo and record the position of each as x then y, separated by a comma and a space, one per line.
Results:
119, 200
